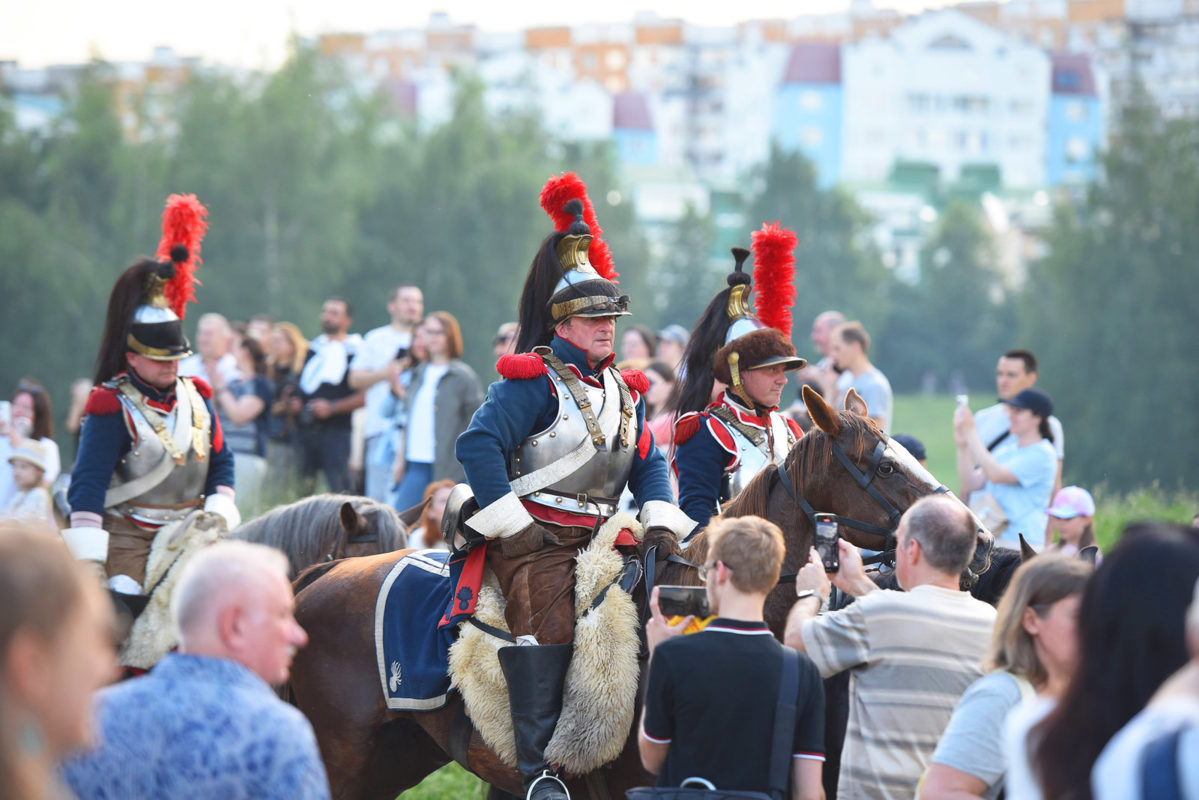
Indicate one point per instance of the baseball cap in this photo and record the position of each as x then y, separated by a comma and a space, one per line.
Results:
1071, 502
675, 333
912, 445
1035, 401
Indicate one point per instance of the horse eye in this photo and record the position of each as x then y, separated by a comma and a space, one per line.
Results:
886, 468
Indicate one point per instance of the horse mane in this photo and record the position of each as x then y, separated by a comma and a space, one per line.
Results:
308, 531
811, 455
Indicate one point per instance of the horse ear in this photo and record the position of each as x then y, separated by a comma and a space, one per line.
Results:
1027, 552
822, 414
854, 403
412, 515
1089, 554
351, 521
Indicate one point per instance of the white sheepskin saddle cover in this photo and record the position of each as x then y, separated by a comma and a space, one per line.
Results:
601, 684
153, 633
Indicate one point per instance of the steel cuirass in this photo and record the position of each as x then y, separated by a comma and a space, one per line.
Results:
188, 428
752, 458
593, 487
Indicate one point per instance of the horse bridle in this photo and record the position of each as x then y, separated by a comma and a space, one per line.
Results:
865, 481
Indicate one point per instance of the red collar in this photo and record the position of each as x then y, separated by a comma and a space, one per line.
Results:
742, 413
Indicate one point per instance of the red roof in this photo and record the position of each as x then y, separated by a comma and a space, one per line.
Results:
814, 62
630, 111
1072, 74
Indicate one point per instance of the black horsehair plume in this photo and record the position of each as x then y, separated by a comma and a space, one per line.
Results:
693, 392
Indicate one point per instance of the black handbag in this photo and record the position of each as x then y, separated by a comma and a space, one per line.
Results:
780, 753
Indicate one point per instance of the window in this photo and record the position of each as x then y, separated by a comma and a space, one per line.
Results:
810, 100
614, 59
811, 136
1076, 111
1077, 149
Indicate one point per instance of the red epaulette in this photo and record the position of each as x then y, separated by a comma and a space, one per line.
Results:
202, 387
686, 426
520, 366
102, 400
794, 426
636, 380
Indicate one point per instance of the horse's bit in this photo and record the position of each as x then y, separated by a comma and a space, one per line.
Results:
865, 481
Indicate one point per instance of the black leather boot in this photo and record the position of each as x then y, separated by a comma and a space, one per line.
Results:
536, 676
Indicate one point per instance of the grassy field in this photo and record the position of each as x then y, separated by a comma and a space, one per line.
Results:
451, 782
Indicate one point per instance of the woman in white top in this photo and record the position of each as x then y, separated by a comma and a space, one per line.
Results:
1043, 596
440, 400
32, 418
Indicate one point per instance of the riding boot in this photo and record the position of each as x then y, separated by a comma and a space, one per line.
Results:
536, 676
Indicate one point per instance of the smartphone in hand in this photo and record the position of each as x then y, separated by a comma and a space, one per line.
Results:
683, 601
827, 537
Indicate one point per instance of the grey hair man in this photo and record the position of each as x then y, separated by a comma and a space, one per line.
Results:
910, 654
233, 610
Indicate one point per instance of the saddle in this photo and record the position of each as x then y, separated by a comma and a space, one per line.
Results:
601, 683
153, 633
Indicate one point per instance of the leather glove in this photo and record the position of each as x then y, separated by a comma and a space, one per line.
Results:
664, 538
529, 539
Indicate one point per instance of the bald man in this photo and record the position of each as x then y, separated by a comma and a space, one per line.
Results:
233, 608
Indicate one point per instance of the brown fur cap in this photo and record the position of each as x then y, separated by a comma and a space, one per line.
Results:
755, 349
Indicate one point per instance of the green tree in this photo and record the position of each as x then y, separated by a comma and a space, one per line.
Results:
1112, 310
954, 320
836, 264
686, 278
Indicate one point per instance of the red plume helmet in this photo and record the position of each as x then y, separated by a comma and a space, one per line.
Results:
183, 227
560, 190
774, 276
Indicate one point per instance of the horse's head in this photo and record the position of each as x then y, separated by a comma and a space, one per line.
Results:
371, 527
846, 465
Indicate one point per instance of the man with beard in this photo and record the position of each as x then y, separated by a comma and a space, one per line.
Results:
326, 399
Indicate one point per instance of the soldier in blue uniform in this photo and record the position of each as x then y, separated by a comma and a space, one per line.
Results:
547, 456
721, 443
150, 449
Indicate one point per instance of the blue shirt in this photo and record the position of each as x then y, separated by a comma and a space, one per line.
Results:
1027, 501
198, 727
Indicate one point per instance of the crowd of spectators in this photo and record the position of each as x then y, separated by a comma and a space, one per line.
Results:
1084, 683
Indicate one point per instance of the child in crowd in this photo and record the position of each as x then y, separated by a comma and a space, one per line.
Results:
31, 502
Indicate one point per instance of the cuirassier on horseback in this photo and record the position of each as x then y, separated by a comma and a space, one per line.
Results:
547, 456
150, 450
722, 443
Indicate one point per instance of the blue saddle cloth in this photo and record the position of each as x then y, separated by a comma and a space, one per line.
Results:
412, 650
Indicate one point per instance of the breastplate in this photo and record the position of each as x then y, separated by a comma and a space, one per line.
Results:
183, 485
595, 486
752, 459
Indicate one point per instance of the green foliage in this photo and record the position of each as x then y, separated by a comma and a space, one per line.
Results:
686, 279
950, 321
836, 266
1112, 309
1114, 510
451, 782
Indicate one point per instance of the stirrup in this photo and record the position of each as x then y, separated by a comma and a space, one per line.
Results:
546, 776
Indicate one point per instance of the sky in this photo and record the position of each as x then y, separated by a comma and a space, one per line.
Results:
254, 33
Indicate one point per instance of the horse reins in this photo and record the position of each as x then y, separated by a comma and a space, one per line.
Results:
865, 481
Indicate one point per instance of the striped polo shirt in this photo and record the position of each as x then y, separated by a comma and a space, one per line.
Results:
911, 655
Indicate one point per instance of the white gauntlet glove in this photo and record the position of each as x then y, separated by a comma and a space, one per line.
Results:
87, 543
223, 505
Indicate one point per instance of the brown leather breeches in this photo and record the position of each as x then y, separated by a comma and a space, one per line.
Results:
128, 547
539, 588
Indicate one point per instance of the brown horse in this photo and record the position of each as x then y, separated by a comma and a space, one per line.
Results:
373, 752
327, 527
